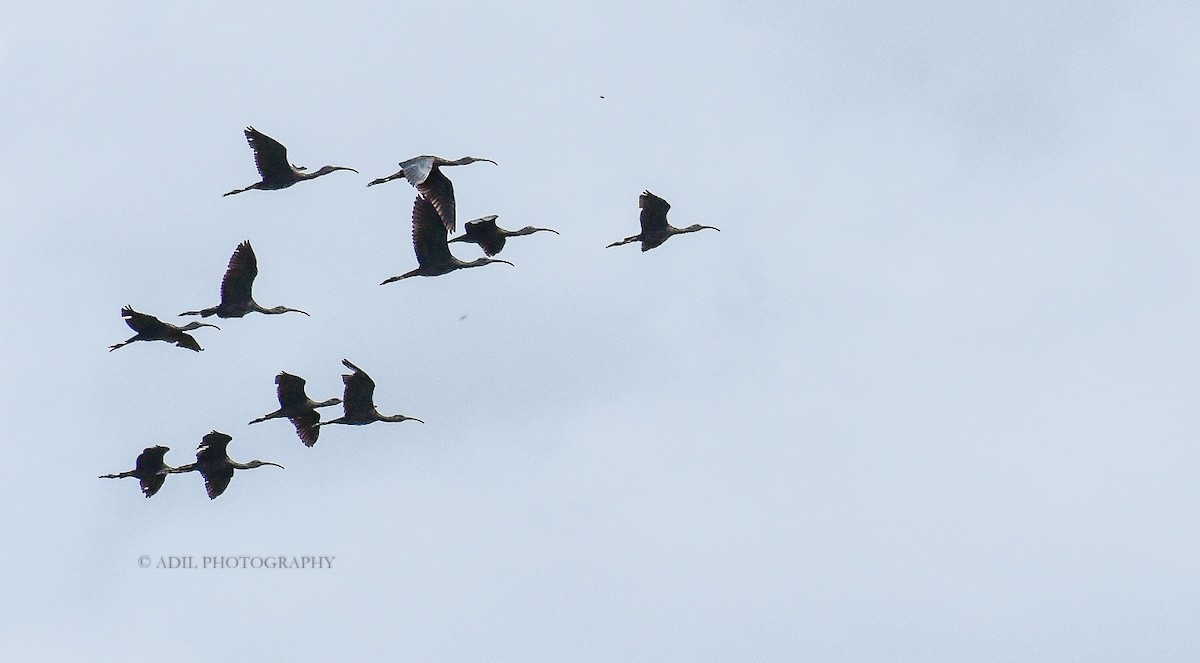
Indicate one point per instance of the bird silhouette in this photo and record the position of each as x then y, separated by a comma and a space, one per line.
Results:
429, 243
236, 288
359, 401
490, 237
297, 407
150, 328
277, 173
215, 465
150, 470
655, 229
425, 173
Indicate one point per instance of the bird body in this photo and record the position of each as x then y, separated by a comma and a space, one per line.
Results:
655, 229
277, 172
150, 328
297, 407
215, 465
237, 288
490, 237
424, 172
150, 470
431, 247
358, 403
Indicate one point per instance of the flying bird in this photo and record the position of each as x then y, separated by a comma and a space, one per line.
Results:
359, 401
429, 243
215, 465
490, 237
297, 407
425, 173
277, 173
150, 470
150, 328
655, 229
236, 297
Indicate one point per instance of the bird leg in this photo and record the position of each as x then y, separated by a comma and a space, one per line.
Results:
389, 178
121, 344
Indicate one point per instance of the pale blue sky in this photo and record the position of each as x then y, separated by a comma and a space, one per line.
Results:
929, 395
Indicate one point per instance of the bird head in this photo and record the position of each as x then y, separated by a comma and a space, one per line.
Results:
260, 463
284, 309
196, 325
325, 170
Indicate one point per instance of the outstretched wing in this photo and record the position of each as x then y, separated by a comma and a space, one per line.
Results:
216, 479
141, 322
151, 483
486, 234
212, 447
269, 154
306, 427
654, 212
429, 234
238, 284
185, 340
439, 191
360, 391
290, 389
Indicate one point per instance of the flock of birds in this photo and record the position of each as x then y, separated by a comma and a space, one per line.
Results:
433, 220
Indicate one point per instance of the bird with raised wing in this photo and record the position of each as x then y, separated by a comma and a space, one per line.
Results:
215, 465
359, 401
277, 172
150, 470
490, 237
425, 173
236, 288
150, 328
655, 229
297, 407
430, 245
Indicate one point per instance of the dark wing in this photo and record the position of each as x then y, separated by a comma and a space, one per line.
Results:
185, 340
269, 154
151, 460
290, 390
306, 427
486, 234
654, 212
438, 190
141, 322
429, 234
216, 479
238, 283
150, 484
360, 392
212, 447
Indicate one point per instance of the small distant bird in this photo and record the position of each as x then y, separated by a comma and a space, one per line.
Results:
429, 243
655, 229
150, 328
424, 173
359, 401
150, 470
277, 173
214, 464
297, 407
490, 237
236, 297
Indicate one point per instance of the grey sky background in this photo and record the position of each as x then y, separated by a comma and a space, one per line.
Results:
929, 395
